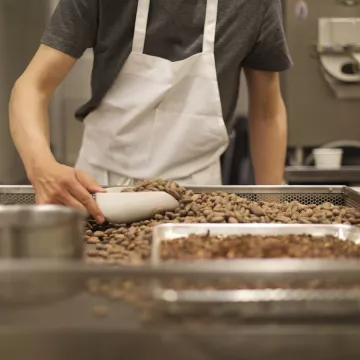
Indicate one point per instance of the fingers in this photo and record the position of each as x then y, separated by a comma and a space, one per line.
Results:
88, 182
65, 199
86, 200
73, 202
69, 191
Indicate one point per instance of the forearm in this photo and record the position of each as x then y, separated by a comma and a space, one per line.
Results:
268, 142
29, 125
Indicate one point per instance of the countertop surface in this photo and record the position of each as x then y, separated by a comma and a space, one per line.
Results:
311, 174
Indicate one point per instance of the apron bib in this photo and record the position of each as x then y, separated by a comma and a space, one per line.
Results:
160, 119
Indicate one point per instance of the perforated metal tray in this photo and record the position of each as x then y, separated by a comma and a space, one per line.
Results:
338, 195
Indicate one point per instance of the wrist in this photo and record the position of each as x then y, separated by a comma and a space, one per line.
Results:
35, 165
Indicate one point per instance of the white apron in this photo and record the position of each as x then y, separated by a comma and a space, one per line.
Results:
160, 119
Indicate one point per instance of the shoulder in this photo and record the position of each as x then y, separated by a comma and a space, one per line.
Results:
272, 7
257, 10
264, 7
260, 4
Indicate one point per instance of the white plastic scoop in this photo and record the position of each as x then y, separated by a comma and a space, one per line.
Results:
127, 207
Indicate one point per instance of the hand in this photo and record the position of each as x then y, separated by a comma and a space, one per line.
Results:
63, 185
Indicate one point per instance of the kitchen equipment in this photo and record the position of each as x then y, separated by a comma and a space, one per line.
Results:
195, 297
38, 232
42, 232
168, 232
264, 304
328, 158
21, 290
338, 195
321, 108
313, 175
127, 207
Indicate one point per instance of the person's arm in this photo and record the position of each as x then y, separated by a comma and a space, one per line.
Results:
29, 124
268, 127
72, 29
268, 56
28, 108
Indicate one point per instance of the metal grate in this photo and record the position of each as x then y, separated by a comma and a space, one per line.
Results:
25, 196
303, 198
17, 199
306, 199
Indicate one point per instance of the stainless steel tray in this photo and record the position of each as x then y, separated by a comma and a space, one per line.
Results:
253, 302
338, 195
167, 232
261, 304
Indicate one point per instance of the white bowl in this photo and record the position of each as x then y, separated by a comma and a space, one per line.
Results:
328, 158
128, 207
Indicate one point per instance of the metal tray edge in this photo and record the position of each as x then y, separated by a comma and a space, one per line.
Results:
246, 296
352, 194
11, 189
289, 189
237, 189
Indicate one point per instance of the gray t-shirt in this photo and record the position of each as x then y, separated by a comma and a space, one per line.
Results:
249, 34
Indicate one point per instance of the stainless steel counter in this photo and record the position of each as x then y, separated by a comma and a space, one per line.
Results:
251, 342
310, 174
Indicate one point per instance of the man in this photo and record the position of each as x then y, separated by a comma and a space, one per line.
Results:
164, 90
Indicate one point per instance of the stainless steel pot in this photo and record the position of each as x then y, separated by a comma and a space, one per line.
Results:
41, 232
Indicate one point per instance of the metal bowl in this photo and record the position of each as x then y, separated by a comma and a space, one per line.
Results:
41, 232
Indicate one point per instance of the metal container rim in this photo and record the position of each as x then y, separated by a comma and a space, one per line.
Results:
29, 216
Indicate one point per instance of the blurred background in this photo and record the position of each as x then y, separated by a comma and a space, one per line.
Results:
321, 92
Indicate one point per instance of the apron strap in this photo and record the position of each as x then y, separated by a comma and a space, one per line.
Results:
210, 26
142, 16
